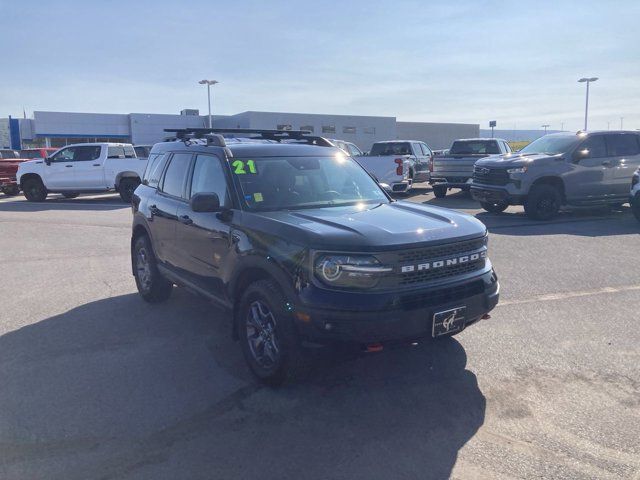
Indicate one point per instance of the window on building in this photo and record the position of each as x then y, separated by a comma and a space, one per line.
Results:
173, 183
285, 127
349, 130
328, 129
370, 130
307, 128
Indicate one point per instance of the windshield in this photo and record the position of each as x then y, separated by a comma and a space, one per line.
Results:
474, 147
551, 145
394, 148
274, 183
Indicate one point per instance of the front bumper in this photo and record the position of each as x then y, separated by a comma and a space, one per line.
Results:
482, 193
399, 316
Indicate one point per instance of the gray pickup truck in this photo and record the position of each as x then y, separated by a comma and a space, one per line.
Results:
577, 169
455, 169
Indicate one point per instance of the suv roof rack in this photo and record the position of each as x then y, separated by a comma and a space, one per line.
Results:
276, 135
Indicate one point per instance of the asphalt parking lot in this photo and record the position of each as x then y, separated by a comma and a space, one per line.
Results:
94, 383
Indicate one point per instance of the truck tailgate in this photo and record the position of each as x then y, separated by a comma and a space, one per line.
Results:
457, 166
383, 167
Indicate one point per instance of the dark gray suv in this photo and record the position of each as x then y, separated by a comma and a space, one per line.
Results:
580, 169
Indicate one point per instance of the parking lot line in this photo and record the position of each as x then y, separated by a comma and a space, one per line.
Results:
565, 295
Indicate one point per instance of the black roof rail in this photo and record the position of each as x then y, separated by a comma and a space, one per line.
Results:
277, 135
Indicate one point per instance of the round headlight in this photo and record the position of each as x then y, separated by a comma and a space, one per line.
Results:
330, 269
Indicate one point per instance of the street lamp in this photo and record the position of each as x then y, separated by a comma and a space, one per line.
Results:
208, 83
586, 107
621, 119
545, 128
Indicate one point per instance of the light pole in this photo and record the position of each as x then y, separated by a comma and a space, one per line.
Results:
621, 119
208, 83
545, 126
586, 106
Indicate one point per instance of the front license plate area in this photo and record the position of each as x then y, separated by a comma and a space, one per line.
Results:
449, 321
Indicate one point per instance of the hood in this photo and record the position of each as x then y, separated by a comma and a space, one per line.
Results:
512, 159
374, 227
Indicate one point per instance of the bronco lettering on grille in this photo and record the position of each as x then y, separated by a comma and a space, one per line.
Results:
444, 263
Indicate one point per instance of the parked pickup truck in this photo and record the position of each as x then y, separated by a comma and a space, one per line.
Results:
9, 161
455, 169
398, 163
83, 168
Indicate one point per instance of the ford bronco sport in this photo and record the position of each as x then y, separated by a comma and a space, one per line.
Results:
298, 241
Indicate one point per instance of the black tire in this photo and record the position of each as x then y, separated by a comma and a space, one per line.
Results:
152, 286
126, 187
543, 202
635, 206
70, 194
498, 207
11, 191
34, 190
268, 336
440, 191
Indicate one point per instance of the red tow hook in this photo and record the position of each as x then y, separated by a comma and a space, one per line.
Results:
374, 347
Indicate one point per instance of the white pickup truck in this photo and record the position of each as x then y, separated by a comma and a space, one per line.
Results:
83, 168
398, 163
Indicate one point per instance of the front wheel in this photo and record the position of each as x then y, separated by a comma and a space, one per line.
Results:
34, 190
267, 335
494, 207
543, 202
126, 187
152, 286
440, 191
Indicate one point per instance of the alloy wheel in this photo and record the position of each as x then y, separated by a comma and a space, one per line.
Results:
261, 335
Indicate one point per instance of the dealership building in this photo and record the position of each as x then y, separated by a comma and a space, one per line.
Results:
57, 129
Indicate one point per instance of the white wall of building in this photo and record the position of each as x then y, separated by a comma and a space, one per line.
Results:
437, 135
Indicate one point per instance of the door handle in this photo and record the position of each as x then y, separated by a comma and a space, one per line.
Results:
96, 164
185, 219
68, 166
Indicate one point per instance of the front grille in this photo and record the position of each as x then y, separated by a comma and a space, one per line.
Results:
422, 265
448, 249
422, 276
490, 176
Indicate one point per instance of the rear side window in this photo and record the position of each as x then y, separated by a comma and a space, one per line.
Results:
176, 174
620, 144
208, 177
129, 152
395, 148
153, 172
426, 150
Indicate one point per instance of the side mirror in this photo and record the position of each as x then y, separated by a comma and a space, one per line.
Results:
205, 202
47, 160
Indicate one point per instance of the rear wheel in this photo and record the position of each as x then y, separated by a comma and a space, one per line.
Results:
34, 190
153, 287
126, 187
440, 191
11, 190
267, 334
70, 194
494, 207
543, 202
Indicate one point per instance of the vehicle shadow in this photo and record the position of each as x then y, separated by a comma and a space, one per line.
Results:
58, 202
119, 388
455, 198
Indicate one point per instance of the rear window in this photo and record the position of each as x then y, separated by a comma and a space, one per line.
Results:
8, 154
475, 147
31, 153
395, 148
155, 166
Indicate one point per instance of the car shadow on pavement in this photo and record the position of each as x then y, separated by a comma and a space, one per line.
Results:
119, 388
58, 202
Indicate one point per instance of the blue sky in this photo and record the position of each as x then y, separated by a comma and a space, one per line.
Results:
467, 61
